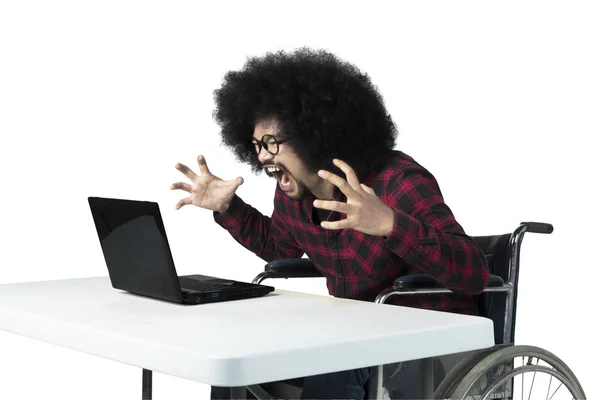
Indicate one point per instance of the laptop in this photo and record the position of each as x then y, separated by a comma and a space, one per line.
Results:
134, 242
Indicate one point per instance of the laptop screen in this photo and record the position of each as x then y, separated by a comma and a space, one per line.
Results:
135, 247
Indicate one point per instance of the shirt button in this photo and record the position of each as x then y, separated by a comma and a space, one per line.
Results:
340, 277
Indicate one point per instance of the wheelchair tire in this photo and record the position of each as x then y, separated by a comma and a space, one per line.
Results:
457, 373
493, 363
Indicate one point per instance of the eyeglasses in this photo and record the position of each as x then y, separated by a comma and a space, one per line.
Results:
269, 143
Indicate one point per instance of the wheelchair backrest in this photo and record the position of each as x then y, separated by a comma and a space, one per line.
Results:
493, 304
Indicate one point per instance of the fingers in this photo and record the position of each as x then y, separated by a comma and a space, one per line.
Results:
182, 186
186, 171
343, 224
337, 181
350, 174
203, 167
338, 206
367, 189
183, 202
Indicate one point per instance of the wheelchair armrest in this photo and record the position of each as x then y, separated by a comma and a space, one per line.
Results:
424, 281
293, 266
289, 268
416, 281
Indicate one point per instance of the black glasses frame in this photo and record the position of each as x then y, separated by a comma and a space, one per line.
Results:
266, 141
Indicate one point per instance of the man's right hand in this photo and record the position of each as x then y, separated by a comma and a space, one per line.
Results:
206, 191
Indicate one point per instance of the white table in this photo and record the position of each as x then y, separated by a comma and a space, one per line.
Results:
238, 343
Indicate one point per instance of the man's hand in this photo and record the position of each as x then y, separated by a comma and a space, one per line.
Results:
364, 211
206, 191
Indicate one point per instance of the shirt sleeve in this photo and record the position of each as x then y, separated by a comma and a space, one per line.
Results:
426, 234
264, 236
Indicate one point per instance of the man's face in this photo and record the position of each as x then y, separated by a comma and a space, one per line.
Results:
291, 173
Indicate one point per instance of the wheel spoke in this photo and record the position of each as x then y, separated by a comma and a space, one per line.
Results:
478, 386
523, 382
555, 391
549, 384
533, 380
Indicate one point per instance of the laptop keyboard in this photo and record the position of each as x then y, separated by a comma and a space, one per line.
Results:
193, 284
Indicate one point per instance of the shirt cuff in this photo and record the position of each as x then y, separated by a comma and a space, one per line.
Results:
229, 217
407, 238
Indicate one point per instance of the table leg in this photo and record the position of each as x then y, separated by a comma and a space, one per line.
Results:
375, 383
427, 378
260, 393
146, 384
238, 393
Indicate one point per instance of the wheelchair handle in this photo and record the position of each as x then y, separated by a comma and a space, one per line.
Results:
538, 227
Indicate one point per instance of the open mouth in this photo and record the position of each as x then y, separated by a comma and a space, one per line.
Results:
280, 174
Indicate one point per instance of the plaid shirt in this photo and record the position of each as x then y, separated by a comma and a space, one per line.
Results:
425, 239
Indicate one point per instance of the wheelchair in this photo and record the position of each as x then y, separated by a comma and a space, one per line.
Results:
504, 371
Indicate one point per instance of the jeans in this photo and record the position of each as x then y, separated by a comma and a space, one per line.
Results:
400, 380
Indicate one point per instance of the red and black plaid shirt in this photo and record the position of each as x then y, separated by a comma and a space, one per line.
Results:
425, 239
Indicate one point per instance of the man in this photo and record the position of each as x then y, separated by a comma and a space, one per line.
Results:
362, 212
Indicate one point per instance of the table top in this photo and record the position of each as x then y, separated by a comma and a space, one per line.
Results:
280, 336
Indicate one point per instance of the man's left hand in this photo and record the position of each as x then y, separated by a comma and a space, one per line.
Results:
364, 211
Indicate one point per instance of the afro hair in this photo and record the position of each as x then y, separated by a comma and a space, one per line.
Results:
328, 106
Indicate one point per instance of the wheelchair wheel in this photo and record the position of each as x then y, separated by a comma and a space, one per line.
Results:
457, 373
518, 372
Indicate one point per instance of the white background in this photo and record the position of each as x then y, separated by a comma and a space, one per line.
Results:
499, 101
